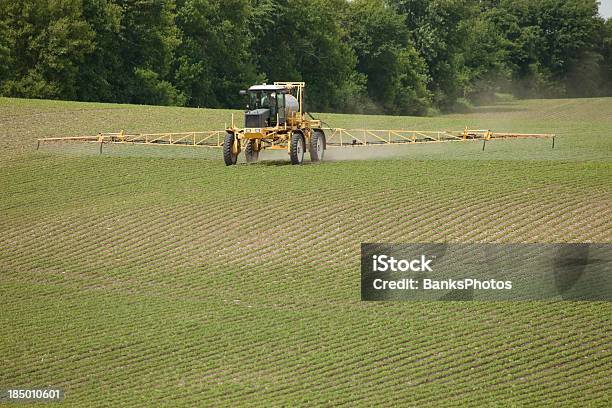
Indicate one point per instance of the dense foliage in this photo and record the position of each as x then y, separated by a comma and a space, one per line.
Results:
393, 56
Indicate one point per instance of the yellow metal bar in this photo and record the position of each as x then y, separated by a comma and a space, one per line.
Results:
371, 133
400, 136
336, 137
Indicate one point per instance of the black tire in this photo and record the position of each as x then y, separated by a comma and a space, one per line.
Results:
250, 154
317, 145
297, 147
229, 157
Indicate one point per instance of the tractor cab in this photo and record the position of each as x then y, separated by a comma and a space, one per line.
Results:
269, 106
275, 119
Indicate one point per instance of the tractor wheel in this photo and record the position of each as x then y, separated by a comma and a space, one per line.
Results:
317, 145
296, 149
229, 156
250, 153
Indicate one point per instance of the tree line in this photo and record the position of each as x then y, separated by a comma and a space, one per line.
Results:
363, 56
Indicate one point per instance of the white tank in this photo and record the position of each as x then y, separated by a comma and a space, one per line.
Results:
291, 106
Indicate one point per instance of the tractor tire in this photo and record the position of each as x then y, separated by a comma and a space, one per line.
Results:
250, 154
229, 157
296, 148
317, 145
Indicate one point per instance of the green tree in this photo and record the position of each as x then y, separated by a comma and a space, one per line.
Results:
214, 60
606, 52
439, 32
302, 40
591, 74
47, 41
147, 43
391, 56
484, 70
396, 74
102, 68
5, 51
551, 43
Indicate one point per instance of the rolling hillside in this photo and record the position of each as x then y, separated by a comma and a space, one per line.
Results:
157, 276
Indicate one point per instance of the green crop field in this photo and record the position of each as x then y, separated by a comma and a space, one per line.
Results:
155, 276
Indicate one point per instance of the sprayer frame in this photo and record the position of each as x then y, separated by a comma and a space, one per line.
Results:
277, 137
